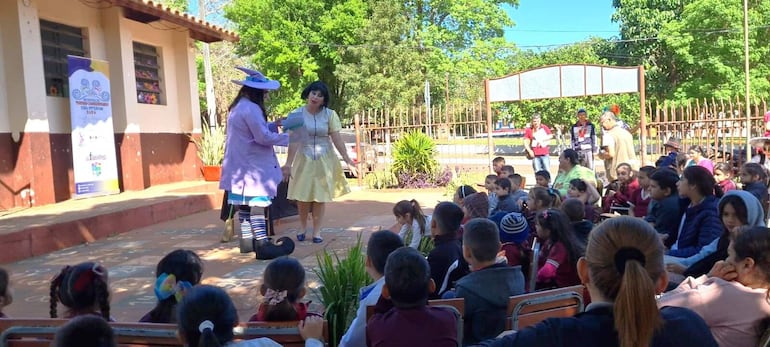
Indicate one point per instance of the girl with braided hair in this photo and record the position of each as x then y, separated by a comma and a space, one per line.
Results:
82, 289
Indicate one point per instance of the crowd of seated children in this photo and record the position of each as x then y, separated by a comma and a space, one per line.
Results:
175, 273
559, 252
82, 289
6, 293
283, 286
85, 331
698, 156
539, 200
623, 271
490, 284
575, 210
664, 212
378, 248
737, 209
402, 316
733, 297
621, 192
414, 223
754, 180
517, 193
640, 200
723, 174
700, 223
206, 317
588, 195
489, 184
446, 259
543, 179
505, 201
462, 192
475, 206
514, 234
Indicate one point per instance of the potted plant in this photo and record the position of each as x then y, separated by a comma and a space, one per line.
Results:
211, 151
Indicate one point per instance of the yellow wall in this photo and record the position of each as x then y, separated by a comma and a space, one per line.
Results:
109, 37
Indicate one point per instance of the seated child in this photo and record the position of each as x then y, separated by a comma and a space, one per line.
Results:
379, 247
588, 195
640, 200
559, 252
507, 171
6, 293
723, 174
700, 224
539, 200
487, 288
519, 195
283, 286
414, 224
206, 317
83, 290
177, 272
85, 331
754, 180
623, 271
489, 184
446, 259
402, 317
475, 206
505, 201
543, 179
514, 233
461, 193
732, 299
574, 210
664, 214
627, 186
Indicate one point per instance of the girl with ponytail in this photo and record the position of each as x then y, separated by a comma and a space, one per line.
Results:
82, 289
623, 271
283, 286
206, 317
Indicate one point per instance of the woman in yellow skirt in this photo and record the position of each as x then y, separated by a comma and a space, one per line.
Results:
315, 171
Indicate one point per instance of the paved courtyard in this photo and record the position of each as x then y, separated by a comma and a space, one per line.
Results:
131, 257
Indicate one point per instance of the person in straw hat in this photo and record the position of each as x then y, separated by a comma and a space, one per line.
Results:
250, 169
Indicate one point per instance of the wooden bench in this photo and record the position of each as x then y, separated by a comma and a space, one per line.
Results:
532, 308
40, 333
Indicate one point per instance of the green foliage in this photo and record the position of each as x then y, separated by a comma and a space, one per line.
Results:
464, 178
426, 245
414, 153
341, 280
180, 5
381, 179
211, 145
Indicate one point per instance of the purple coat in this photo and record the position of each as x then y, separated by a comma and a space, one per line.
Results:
250, 167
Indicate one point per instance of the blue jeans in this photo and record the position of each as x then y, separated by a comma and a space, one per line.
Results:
541, 162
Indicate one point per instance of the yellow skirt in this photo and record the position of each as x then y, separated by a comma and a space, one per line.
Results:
319, 180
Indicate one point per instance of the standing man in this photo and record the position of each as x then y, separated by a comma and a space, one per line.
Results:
617, 145
537, 139
583, 136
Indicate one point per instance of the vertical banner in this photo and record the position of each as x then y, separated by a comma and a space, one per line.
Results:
93, 140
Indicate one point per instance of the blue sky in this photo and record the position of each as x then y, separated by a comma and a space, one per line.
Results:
550, 22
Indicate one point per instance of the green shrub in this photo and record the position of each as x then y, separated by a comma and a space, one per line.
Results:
211, 145
381, 179
414, 153
341, 280
465, 178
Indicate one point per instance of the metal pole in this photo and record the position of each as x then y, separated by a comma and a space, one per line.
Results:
746, 73
488, 110
642, 118
211, 103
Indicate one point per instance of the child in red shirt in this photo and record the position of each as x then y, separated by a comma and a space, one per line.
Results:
559, 253
283, 286
627, 187
723, 174
640, 201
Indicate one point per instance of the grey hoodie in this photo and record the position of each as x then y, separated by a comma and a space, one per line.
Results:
486, 294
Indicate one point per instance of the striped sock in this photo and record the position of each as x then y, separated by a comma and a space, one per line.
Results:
244, 217
259, 226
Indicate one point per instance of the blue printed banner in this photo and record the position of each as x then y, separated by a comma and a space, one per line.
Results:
94, 162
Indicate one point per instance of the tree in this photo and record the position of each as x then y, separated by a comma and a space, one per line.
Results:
179, 5
297, 42
707, 46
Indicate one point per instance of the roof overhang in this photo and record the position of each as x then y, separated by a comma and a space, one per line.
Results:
146, 11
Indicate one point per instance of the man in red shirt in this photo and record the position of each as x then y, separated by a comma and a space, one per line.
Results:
536, 142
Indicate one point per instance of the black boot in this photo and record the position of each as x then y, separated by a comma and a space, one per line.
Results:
265, 249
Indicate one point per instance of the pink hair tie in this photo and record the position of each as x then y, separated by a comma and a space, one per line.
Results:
274, 297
